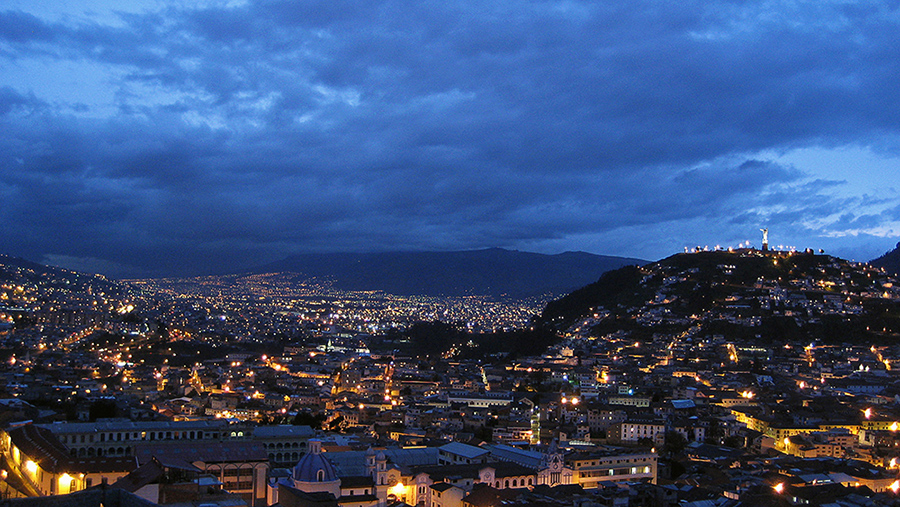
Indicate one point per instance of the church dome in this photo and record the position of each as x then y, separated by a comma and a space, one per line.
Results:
314, 468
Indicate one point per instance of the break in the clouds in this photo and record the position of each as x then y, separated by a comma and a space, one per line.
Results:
160, 137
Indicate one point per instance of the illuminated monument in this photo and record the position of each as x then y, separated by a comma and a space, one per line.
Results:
765, 243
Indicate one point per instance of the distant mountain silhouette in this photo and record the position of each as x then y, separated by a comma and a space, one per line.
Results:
9, 260
890, 261
17, 270
732, 294
494, 272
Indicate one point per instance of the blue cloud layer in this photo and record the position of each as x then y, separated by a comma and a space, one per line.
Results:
209, 138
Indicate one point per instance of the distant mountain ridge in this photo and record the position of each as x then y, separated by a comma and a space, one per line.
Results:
890, 261
766, 297
494, 272
18, 271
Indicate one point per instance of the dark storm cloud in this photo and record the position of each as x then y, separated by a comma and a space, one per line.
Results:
10, 101
18, 27
223, 136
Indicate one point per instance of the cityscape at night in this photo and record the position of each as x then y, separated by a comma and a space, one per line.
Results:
552, 253
734, 375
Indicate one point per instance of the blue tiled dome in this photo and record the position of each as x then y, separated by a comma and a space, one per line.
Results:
309, 466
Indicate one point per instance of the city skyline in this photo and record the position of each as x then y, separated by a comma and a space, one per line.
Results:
171, 138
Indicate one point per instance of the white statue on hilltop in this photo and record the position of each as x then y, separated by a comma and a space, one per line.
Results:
765, 243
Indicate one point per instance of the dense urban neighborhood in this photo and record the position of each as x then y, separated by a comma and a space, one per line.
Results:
714, 377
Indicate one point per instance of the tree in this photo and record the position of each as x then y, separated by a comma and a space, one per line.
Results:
102, 409
309, 419
675, 443
734, 441
715, 432
336, 423
484, 433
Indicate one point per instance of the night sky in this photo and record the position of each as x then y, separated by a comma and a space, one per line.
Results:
160, 138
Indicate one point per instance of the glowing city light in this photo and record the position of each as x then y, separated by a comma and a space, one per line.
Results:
398, 490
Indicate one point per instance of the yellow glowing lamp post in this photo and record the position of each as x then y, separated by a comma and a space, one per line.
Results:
31, 466
779, 488
895, 486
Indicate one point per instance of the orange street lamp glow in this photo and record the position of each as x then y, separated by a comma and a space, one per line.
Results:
779, 488
398, 490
